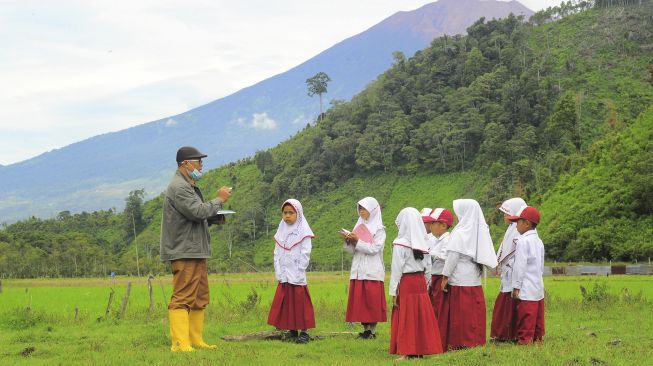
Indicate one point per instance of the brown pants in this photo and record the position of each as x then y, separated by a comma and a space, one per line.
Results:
190, 284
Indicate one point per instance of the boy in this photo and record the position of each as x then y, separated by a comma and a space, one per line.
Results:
527, 283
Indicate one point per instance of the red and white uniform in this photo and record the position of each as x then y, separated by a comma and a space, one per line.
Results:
461, 316
504, 312
414, 329
366, 302
292, 307
527, 278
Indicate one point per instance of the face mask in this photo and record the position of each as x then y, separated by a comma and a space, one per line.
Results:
195, 174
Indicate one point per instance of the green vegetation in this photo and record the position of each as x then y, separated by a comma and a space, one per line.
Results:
610, 325
558, 112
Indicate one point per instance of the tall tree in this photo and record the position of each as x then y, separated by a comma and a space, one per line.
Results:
133, 221
318, 85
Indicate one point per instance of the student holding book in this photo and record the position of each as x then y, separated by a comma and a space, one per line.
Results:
366, 302
292, 308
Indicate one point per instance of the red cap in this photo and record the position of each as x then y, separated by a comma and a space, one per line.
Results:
445, 216
426, 214
529, 213
437, 215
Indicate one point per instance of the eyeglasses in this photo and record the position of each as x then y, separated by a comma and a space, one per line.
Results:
196, 160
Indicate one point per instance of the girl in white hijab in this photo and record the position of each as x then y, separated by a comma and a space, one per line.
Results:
414, 329
292, 308
366, 302
503, 314
463, 304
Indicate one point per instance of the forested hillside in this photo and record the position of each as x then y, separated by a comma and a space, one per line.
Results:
557, 110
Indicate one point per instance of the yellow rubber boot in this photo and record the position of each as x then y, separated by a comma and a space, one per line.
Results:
179, 330
196, 318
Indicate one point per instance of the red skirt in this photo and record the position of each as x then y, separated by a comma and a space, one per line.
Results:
366, 302
530, 321
292, 308
462, 317
436, 293
504, 317
413, 329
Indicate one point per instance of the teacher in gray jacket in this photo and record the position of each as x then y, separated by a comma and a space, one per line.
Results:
186, 243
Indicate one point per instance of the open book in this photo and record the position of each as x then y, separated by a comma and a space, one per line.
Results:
225, 212
363, 233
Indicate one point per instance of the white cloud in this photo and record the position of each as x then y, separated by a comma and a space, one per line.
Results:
82, 68
261, 121
171, 122
301, 119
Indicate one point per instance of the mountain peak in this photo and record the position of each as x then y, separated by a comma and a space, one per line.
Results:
445, 16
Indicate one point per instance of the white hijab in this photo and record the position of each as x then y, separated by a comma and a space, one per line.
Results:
507, 248
471, 236
288, 236
374, 222
412, 233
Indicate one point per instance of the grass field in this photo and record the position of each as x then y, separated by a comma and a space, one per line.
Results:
611, 325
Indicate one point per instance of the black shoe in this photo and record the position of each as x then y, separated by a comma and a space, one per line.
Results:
289, 336
367, 335
303, 338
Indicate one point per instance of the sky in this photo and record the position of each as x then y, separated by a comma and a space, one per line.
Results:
73, 69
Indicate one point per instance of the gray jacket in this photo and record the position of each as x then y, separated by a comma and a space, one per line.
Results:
184, 230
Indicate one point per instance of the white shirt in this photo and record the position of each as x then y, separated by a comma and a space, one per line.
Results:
438, 252
506, 269
404, 262
528, 267
290, 265
461, 270
367, 263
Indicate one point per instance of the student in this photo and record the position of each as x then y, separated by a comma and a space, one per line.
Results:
414, 331
437, 222
292, 308
366, 303
503, 314
462, 310
527, 282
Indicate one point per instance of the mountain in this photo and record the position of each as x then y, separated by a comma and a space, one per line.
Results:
558, 111
98, 173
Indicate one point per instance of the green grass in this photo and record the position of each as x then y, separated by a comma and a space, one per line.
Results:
578, 331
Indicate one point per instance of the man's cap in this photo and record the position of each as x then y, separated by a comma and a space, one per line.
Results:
529, 213
188, 153
437, 215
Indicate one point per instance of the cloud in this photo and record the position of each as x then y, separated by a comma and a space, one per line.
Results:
301, 119
261, 121
171, 122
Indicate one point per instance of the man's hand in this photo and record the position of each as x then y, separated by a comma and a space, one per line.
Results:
394, 302
224, 193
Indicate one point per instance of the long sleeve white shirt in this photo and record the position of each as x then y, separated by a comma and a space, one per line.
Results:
290, 265
461, 270
404, 262
367, 263
528, 267
506, 269
438, 252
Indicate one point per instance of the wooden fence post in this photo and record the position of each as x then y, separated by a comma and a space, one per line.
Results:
125, 299
149, 291
106, 312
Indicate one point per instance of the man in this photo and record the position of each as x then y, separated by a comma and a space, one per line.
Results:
186, 243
